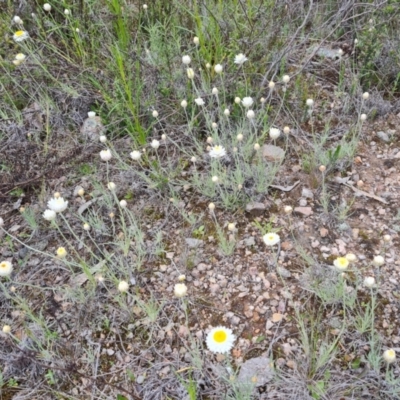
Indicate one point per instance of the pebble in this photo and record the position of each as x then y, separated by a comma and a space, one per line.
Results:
272, 153
92, 128
256, 209
284, 272
193, 243
323, 232
302, 202
307, 193
383, 136
306, 211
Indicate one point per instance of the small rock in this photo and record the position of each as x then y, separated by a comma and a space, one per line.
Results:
256, 371
314, 244
285, 246
92, 128
273, 153
306, 211
307, 193
140, 379
256, 209
383, 136
283, 272
269, 325
110, 352
302, 202
277, 317
235, 320
202, 267
214, 288
323, 232
193, 243
249, 241
291, 364
355, 233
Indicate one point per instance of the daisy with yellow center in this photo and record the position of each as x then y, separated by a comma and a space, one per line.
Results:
61, 252
389, 356
341, 263
19, 36
271, 239
5, 268
217, 152
220, 340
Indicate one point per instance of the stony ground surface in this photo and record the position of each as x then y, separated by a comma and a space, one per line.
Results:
250, 291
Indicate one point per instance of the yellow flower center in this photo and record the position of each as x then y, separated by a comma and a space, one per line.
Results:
3, 265
19, 33
343, 261
220, 336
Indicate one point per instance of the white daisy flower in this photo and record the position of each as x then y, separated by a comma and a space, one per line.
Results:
341, 263
186, 60
190, 73
247, 102
5, 268
389, 356
123, 286
369, 282
135, 155
61, 252
220, 340
199, 101
218, 68
180, 290
6, 329
217, 152
19, 36
378, 261
250, 114
106, 155
57, 205
240, 59
20, 57
155, 144
274, 133
271, 239
49, 215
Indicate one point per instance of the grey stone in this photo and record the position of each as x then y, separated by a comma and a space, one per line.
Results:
283, 272
383, 136
307, 193
256, 209
193, 243
256, 371
273, 153
307, 211
302, 202
248, 242
92, 128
